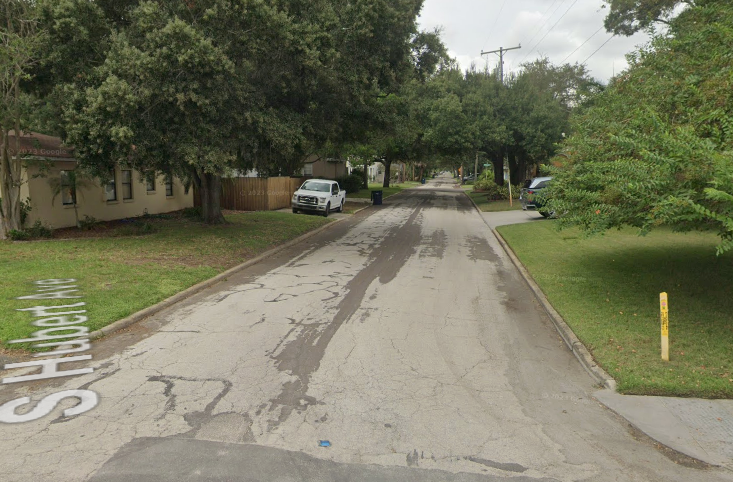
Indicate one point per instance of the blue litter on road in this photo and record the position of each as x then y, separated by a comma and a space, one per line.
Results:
324, 443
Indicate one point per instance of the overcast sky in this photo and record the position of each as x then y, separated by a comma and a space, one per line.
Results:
551, 28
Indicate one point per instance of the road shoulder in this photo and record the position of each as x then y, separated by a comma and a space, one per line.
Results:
696, 428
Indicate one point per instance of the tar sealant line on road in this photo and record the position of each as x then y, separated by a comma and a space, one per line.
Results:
566, 333
55, 325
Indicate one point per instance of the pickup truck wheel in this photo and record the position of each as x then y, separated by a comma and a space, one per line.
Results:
327, 211
295, 211
341, 208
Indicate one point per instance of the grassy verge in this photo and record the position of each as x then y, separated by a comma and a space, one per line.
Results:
118, 276
607, 289
493, 206
386, 191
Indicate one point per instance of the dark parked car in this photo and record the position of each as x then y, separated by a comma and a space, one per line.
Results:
529, 196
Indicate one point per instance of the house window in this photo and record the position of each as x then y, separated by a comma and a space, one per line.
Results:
110, 188
150, 182
126, 184
308, 169
68, 191
169, 185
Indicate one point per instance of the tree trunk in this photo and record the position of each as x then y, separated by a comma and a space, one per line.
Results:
76, 215
387, 164
513, 161
210, 191
10, 180
365, 175
497, 160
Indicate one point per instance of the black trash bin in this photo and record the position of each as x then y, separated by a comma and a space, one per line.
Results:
377, 197
423, 180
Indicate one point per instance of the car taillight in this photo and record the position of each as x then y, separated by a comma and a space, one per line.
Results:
530, 192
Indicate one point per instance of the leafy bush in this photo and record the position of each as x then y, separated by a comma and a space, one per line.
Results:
494, 192
38, 230
351, 184
88, 223
654, 149
19, 235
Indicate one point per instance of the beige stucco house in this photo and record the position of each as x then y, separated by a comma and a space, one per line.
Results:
127, 193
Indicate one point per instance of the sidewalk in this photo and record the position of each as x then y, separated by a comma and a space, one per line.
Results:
698, 428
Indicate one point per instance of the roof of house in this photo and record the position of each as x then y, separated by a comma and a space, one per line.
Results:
40, 145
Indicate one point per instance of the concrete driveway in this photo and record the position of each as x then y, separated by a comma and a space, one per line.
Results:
402, 338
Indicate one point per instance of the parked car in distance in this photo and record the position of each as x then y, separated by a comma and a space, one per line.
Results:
529, 195
319, 195
469, 178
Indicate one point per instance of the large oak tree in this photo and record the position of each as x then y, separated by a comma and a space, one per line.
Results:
196, 87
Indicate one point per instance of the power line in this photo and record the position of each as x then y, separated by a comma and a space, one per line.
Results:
496, 19
599, 48
579, 46
545, 22
551, 28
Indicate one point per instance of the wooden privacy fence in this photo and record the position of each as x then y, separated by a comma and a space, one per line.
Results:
256, 194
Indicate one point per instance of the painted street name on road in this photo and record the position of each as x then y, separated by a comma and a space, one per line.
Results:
57, 325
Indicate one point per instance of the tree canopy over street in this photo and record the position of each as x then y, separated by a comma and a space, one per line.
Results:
198, 88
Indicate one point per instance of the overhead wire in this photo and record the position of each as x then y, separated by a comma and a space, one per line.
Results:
546, 21
579, 46
599, 48
551, 28
496, 19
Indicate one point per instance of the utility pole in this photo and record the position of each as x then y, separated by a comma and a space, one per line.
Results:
475, 170
500, 52
507, 176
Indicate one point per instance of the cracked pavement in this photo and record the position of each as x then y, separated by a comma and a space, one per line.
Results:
403, 335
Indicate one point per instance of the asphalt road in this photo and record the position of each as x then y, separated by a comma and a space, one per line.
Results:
403, 336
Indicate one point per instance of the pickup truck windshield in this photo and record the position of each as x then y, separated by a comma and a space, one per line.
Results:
316, 186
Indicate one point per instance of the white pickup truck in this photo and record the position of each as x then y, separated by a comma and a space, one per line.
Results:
319, 195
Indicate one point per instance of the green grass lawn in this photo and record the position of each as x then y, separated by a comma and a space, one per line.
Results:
386, 191
118, 276
493, 206
607, 289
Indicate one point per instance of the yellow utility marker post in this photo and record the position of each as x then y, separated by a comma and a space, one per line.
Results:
664, 308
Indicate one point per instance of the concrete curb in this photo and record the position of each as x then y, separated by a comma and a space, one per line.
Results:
151, 310
566, 333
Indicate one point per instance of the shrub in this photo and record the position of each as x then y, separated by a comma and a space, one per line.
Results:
493, 191
18, 235
352, 183
88, 223
38, 230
